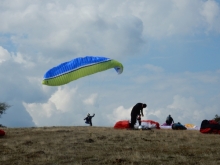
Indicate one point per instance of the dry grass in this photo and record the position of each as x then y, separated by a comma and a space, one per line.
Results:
102, 145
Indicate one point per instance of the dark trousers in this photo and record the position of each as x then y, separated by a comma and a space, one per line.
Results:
133, 120
90, 122
139, 121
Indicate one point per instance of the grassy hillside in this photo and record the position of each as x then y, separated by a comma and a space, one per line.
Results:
102, 145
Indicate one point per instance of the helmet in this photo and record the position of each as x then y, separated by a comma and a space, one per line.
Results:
88, 114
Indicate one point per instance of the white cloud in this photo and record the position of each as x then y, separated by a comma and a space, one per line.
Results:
91, 100
4, 55
186, 110
182, 109
168, 18
153, 68
100, 27
182, 103
207, 77
120, 113
61, 102
211, 13
63, 98
18, 58
48, 27
23, 60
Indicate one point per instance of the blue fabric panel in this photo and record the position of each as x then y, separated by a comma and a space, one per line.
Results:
74, 64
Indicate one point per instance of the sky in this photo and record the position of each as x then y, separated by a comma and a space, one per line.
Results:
170, 51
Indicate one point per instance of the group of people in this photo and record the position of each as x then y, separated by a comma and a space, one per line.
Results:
136, 114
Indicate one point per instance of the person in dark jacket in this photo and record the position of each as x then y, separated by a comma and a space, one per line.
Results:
136, 110
89, 119
169, 120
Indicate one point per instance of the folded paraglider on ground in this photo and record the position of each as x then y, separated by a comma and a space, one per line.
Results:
210, 126
145, 124
178, 126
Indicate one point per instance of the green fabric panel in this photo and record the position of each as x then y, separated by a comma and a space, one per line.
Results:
66, 78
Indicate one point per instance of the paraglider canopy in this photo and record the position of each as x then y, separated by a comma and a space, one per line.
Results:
79, 67
145, 124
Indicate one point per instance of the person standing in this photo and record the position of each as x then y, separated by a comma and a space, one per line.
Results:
169, 120
89, 119
136, 110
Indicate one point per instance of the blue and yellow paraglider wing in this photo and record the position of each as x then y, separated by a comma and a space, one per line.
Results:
79, 67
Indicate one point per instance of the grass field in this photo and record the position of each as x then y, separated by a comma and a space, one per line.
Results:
105, 145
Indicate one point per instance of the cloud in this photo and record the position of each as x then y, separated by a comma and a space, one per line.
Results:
120, 113
17, 58
182, 109
187, 110
59, 103
4, 54
47, 27
211, 12
207, 77
154, 68
91, 100
97, 28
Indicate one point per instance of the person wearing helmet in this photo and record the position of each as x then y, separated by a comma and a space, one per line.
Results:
137, 110
89, 119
